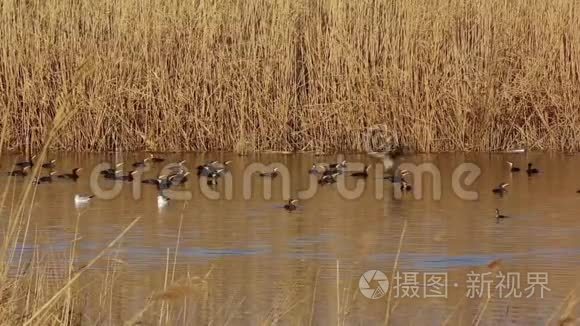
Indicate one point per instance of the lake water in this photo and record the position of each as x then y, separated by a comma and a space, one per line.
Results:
265, 265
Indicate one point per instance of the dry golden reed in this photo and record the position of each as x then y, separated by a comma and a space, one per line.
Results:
312, 75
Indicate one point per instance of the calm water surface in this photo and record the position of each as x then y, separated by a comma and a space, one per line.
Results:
265, 264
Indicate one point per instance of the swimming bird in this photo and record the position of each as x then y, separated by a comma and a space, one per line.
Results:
362, 174
501, 188
339, 165
177, 167
328, 179
155, 159
111, 175
512, 167
398, 177
83, 199
111, 171
49, 165
128, 177
19, 173
211, 181
217, 165
530, 170
178, 179
74, 175
28, 163
271, 174
206, 166
143, 163
334, 168
213, 176
213, 166
162, 200
405, 186
499, 216
207, 163
46, 178
291, 205
164, 183
205, 170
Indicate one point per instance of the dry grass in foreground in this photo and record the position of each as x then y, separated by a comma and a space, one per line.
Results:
292, 75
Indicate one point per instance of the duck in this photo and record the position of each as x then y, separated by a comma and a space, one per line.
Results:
398, 177
213, 166
74, 175
19, 173
291, 205
204, 170
155, 159
211, 181
162, 200
531, 170
328, 179
177, 167
111, 171
49, 165
178, 179
176, 172
405, 186
163, 182
501, 188
83, 199
208, 164
46, 178
28, 163
335, 168
112, 175
339, 165
218, 165
213, 176
274, 173
141, 164
128, 177
362, 174
499, 216
512, 167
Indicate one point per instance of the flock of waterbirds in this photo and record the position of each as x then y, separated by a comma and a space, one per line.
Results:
327, 173
501, 189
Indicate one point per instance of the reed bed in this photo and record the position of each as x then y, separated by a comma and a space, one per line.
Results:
253, 75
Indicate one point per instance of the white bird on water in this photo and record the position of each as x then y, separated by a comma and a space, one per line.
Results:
162, 200
83, 199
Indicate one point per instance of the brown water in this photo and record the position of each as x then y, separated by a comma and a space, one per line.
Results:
268, 265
